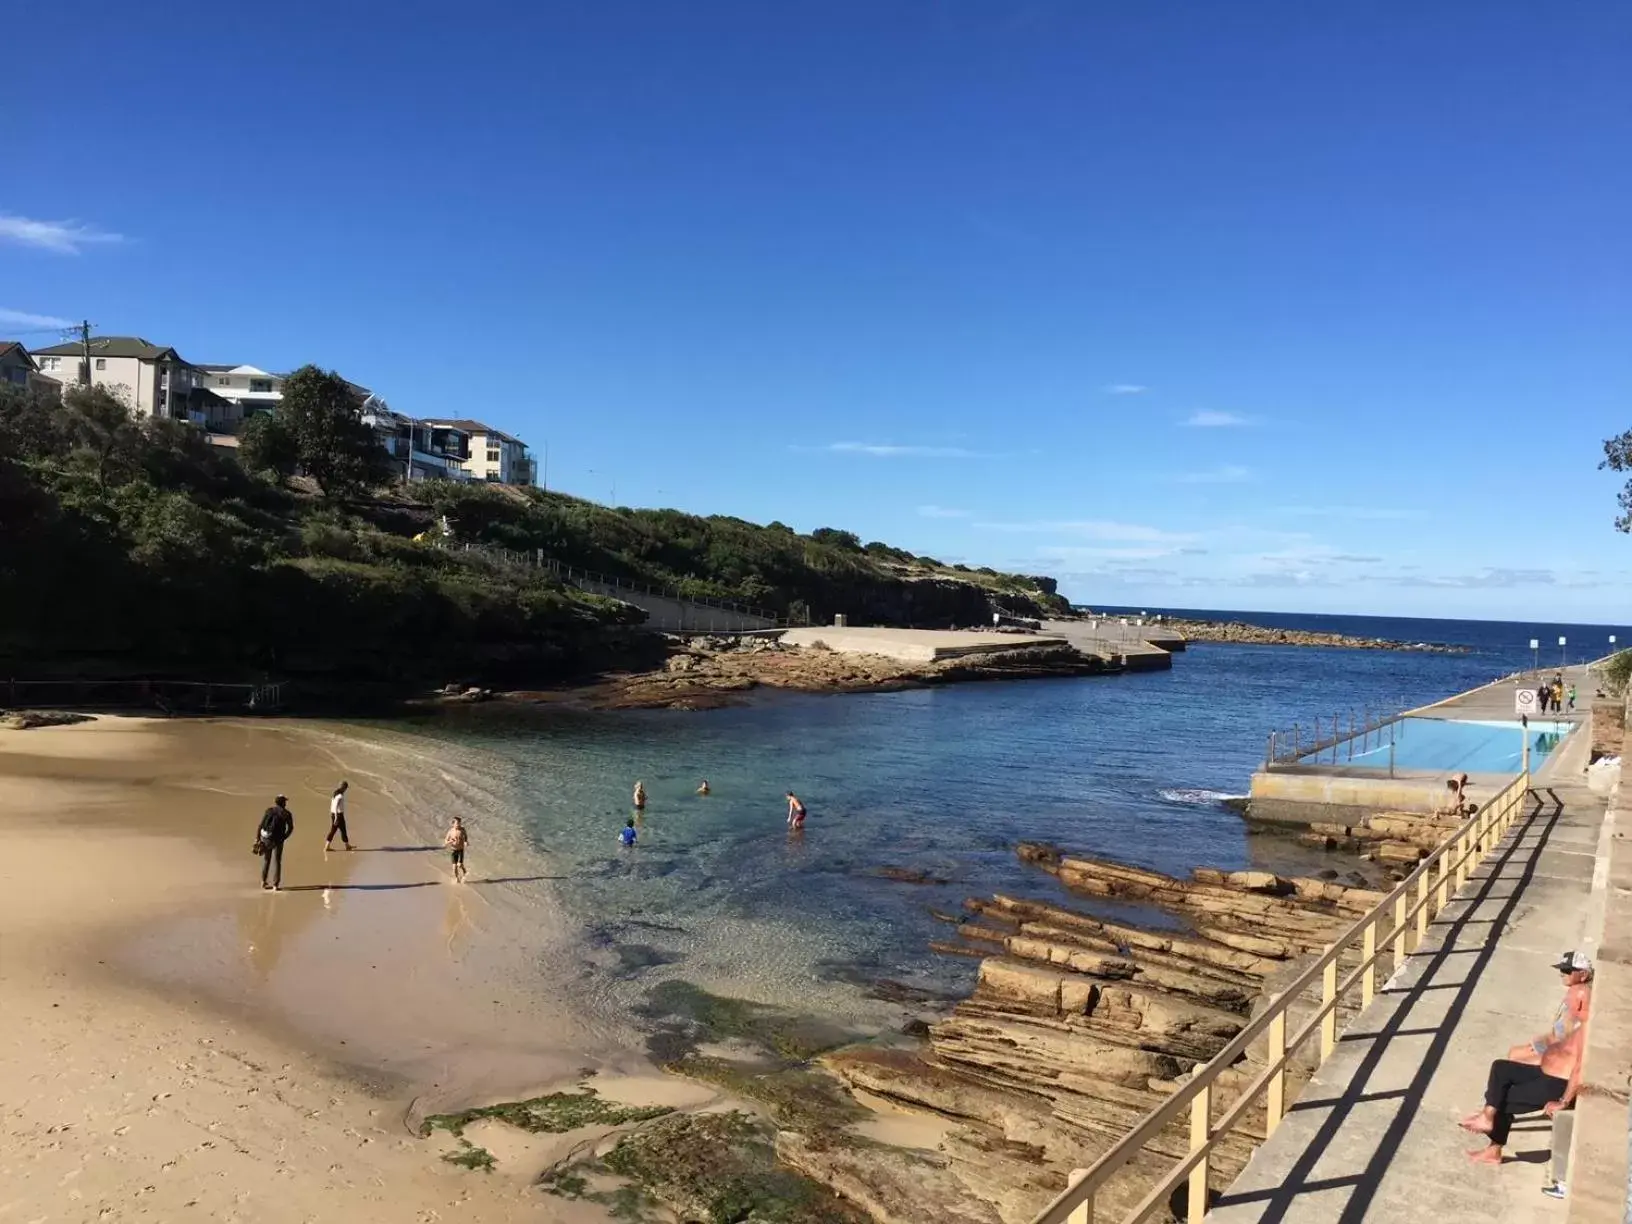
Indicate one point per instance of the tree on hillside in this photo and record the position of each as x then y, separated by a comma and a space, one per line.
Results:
1618, 458
98, 424
267, 444
325, 417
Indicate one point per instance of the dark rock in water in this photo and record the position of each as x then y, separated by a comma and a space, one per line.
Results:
907, 875
1239, 804
633, 958
1326, 873
915, 1028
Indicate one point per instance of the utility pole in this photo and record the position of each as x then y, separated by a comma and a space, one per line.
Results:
85, 352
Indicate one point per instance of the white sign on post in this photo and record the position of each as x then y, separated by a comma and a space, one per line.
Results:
1524, 701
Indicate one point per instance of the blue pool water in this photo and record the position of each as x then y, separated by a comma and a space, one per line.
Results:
1462, 746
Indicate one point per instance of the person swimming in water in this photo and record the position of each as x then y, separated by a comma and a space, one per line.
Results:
628, 834
796, 812
703, 789
640, 795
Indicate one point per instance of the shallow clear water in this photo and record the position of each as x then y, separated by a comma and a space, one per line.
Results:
943, 781
1468, 746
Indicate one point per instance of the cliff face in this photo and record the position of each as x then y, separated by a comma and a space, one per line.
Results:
925, 603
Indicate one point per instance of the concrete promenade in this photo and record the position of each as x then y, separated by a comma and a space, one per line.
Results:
1374, 1136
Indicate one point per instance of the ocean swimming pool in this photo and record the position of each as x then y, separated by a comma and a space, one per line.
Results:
1461, 745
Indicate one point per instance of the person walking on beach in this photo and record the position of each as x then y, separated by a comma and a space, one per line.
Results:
796, 812
277, 826
458, 837
628, 834
337, 817
640, 796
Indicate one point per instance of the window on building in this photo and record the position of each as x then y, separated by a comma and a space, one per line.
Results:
223, 382
50, 363
260, 384
492, 454
101, 363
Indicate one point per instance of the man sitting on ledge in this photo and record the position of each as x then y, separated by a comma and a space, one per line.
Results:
1546, 1079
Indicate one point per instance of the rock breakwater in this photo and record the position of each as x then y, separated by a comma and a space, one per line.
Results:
1261, 635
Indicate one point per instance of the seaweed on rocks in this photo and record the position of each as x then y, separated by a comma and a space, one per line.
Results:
717, 1167
554, 1114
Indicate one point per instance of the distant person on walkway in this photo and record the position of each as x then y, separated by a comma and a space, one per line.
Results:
337, 817
796, 812
1558, 695
628, 834
1569, 697
640, 795
1549, 1083
1576, 970
703, 789
277, 826
458, 837
1544, 695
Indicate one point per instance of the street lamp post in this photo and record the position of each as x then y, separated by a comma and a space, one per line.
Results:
1535, 654
1563, 654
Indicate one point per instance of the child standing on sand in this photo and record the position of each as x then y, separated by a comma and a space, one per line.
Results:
457, 839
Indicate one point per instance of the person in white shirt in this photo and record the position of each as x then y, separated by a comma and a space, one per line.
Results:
337, 817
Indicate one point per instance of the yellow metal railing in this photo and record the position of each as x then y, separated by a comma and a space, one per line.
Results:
1434, 883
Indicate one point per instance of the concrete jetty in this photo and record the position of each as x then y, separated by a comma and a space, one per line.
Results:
1373, 1136
916, 645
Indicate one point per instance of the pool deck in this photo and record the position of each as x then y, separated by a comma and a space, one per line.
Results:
1373, 1137
1340, 793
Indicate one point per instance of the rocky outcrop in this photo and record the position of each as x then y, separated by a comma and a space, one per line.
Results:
704, 673
1260, 635
1080, 1024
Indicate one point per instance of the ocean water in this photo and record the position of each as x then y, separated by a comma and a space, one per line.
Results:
941, 782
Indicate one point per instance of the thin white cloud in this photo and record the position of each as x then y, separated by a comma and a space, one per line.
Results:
63, 237
1348, 512
1229, 473
1207, 419
1126, 389
1099, 529
39, 322
883, 450
941, 512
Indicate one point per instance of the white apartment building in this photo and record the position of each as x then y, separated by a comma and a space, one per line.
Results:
494, 455
153, 379
250, 387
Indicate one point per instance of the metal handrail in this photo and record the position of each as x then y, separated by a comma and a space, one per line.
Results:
642, 588
1472, 840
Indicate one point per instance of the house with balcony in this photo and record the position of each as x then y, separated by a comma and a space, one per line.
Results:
250, 387
494, 455
153, 379
421, 450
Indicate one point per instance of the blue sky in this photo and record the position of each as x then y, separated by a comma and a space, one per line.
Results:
1248, 305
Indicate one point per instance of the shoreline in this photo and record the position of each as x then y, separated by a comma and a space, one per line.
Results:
156, 994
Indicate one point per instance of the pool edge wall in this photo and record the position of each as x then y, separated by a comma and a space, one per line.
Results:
1294, 797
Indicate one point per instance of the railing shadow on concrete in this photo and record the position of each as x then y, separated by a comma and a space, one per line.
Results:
1434, 883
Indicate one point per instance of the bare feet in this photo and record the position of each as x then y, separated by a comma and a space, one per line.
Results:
1491, 1155
1477, 1123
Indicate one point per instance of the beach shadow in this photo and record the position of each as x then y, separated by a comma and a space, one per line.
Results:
358, 887
394, 849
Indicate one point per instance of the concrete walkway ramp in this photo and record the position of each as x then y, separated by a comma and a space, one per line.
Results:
1374, 1136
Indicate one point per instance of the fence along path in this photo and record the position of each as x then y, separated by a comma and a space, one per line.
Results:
666, 609
1396, 925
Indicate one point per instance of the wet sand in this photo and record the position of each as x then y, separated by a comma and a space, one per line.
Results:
178, 1041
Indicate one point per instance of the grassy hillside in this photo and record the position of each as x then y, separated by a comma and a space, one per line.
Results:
141, 547
719, 557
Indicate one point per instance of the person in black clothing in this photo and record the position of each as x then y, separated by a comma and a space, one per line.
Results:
277, 824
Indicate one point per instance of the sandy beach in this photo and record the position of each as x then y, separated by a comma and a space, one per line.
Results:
180, 1044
